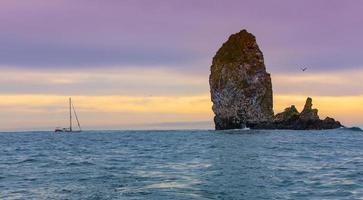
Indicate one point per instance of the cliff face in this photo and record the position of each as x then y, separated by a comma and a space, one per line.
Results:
241, 89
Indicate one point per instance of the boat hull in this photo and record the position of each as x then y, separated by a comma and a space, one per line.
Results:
65, 130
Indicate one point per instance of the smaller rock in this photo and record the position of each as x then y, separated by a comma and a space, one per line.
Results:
287, 115
309, 114
308, 119
330, 123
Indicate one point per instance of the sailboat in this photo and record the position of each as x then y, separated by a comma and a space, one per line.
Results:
70, 129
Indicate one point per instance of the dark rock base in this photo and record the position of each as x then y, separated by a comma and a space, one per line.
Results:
297, 125
229, 123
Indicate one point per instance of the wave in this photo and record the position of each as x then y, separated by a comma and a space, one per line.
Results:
83, 163
27, 160
353, 129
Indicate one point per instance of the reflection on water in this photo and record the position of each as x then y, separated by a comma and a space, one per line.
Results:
182, 165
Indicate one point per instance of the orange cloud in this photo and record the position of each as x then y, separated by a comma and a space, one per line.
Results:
102, 111
118, 111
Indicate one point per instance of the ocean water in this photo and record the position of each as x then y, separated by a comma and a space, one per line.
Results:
239, 164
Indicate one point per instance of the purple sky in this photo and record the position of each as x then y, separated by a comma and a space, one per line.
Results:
183, 35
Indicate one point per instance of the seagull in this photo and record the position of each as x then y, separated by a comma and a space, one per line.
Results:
304, 69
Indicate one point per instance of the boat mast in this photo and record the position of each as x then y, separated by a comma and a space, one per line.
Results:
70, 114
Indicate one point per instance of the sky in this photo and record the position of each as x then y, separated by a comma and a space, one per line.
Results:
145, 64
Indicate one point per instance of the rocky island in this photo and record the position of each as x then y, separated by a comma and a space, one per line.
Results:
241, 91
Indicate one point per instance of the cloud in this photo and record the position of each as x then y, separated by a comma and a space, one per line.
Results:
163, 81
26, 111
120, 112
328, 83
138, 81
157, 104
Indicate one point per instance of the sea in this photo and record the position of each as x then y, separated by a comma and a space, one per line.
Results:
182, 164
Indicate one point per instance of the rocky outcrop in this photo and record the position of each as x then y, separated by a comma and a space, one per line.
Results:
241, 89
308, 113
290, 113
308, 119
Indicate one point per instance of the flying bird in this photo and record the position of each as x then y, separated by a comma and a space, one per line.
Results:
304, 69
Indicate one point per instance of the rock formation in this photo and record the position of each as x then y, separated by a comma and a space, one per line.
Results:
308, 119
290, 113
308, 112
241, 89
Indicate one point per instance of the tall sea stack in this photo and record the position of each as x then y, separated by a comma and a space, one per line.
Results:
241, 89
